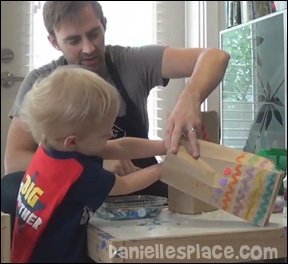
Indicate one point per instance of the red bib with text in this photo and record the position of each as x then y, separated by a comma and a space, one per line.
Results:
43, 188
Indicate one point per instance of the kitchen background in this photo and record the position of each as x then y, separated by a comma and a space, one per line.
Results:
176, 23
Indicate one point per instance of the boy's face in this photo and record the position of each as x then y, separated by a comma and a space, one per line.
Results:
93, 143
82, 41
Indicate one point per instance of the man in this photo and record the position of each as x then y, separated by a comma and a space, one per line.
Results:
77, 29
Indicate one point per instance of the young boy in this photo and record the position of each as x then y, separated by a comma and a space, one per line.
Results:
71, 113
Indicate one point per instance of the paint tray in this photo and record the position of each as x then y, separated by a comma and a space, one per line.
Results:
131, 207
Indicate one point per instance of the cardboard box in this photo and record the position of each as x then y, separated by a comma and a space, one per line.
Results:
5, 238
180, 202
183, 203
241, 183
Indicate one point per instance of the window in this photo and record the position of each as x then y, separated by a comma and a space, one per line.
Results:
41, 51
132, 23
253, 89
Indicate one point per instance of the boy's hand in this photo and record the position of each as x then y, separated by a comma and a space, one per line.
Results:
120, 167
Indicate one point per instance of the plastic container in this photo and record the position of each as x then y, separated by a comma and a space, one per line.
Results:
285, 197
131, 207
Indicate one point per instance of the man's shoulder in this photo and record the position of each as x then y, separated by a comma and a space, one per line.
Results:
43, 71
122, 54
116, 50
49, 67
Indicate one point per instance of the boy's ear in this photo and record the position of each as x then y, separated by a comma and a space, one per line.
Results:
70, 142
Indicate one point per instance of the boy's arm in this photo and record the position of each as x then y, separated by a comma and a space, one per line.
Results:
136, 181
133, 148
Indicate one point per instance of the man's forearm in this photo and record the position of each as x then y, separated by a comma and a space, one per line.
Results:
208, 73
18, 161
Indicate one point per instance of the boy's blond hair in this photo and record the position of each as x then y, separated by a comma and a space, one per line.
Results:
70, 101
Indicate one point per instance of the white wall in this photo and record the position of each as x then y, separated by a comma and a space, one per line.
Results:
173, 34
213, 20
216, 23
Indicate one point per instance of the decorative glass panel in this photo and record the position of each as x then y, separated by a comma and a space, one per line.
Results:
253, 91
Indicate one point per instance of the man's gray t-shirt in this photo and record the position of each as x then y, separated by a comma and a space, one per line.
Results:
139, 69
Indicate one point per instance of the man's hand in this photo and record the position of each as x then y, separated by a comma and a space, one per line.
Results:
205, 69
120, 167
185, 119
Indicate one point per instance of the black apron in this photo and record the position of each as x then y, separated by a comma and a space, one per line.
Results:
131, 125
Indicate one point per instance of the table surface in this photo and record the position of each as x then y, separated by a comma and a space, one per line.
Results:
172, 229
174, 224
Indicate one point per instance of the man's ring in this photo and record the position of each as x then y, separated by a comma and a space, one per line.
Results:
191, 130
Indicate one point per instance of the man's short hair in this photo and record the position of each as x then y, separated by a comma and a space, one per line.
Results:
56, 12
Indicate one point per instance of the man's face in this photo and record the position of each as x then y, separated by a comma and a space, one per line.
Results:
82, 41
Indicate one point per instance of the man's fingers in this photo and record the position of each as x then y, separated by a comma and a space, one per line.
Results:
168, 136
176, 136
194, 150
